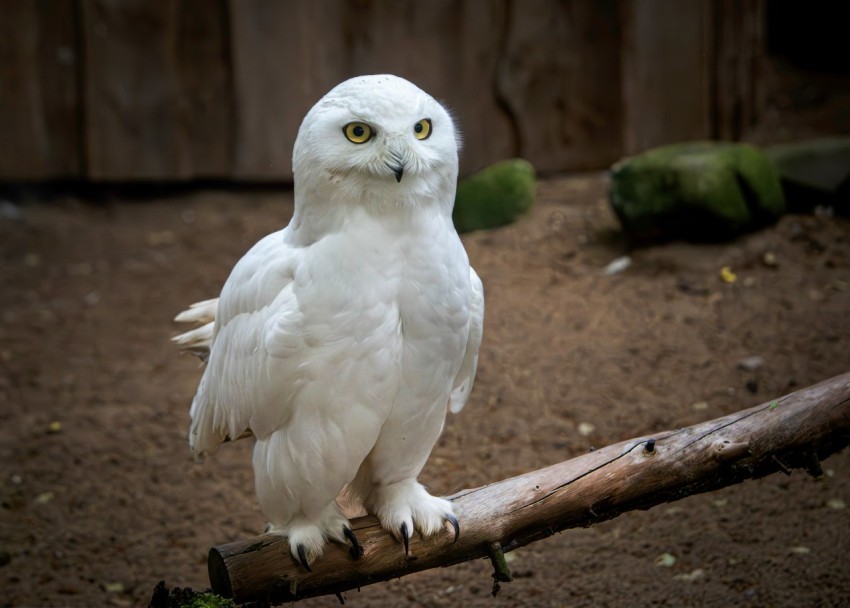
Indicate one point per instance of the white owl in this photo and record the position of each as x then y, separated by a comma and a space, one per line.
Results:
340, 340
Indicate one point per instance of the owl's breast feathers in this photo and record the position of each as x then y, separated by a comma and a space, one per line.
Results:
407, 275
380, 307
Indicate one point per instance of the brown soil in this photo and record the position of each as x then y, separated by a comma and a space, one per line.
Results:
100, 499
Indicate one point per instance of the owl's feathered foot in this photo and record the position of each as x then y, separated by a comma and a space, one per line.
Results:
406, 506
356, 551
308, 537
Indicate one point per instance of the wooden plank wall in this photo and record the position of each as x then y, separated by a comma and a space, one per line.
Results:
39, 96
157, 90
739, 40
666, 72
111, 90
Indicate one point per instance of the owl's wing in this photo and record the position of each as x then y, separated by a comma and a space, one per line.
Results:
237, 390
466, 374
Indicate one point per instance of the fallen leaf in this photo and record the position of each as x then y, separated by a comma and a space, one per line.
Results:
585, 428
836, 503
751, 363
44, 498
668, 560
618, 265
690, 577
54, 427
800, 550
727, 276
769, 259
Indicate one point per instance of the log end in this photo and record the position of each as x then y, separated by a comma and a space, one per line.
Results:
219, 575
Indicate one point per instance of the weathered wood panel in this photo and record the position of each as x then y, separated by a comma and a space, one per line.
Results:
450, 48
666, 72
560, 77
206, 87
287, 55
523, 78
150, 114
39, 122
739, 43
186, 89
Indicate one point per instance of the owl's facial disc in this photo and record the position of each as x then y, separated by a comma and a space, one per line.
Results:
380, 149
377, 139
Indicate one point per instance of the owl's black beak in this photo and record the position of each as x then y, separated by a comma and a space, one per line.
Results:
399, 172
396, 160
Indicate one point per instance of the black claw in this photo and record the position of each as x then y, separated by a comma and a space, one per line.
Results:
453, 521
356, 549
302, 557
405, 536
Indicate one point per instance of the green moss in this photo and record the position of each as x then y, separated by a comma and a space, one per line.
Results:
184, 597
209, 600
494, 196
701, 190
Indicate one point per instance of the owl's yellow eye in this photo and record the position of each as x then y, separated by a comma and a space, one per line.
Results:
358, 132
422, 129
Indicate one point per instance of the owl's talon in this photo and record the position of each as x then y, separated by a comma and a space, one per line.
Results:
453, 521
302, 557
356, 550
405, 536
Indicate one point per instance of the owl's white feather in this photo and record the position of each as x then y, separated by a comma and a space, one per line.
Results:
340, 340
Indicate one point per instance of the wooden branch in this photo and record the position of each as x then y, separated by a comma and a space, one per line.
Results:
794, 431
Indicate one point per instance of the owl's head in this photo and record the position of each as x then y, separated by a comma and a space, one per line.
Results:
376, 139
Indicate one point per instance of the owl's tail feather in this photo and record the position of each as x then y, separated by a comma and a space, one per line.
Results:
204, 434
198, 341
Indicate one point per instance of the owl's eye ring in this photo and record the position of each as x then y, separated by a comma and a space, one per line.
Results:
358, 132
422, 129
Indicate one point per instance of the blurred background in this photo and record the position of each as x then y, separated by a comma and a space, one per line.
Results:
176, 90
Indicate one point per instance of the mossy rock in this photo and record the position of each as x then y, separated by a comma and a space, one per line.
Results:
494, 196
696, 191
815, 172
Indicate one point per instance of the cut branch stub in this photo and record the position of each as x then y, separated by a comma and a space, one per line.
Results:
792, 432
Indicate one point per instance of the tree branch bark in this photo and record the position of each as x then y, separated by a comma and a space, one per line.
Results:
794, 431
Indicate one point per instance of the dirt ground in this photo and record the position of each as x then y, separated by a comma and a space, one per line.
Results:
101, 500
